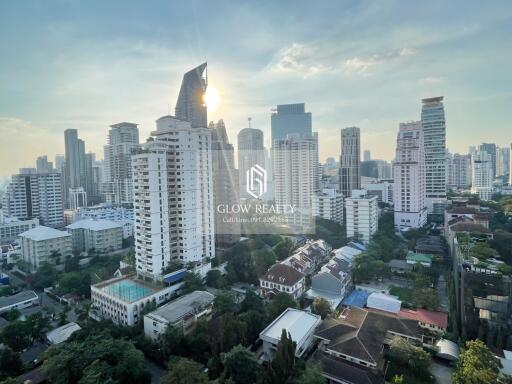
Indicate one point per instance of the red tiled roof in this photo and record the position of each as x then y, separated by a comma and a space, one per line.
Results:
439, 319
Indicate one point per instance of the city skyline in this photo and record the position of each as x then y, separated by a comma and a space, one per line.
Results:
76, 79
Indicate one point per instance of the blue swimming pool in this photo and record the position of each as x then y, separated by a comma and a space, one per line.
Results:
128, 290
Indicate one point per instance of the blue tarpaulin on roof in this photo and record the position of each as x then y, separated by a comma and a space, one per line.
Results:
173, 277
356, 299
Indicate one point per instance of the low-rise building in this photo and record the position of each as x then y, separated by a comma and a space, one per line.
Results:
308, 257
61, 334
400, 266
282, 278
433, 320
123, 299
355, 341
181, 313
97, 234
383, 302
362, 215
119, 215
11, 228
423, 258
20, 300
300, 325
328, 204
45, 245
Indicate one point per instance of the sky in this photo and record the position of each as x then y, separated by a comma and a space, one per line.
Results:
87, 65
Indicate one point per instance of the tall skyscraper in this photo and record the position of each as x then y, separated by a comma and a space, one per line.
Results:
409, 181
434, 137
59, 163
367, 156
502, 161
35, 195
77, 168
123, 141
490, 148
458, 171
350, 160
191, 106
295, 169
251, 152
290, 119
482, 175
173, 198
43, 165
225, 186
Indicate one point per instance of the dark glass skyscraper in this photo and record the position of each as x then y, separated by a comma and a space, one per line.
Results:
291, 119
191, 106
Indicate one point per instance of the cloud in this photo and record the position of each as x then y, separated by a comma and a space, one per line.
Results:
431, 80
365, 65
299, 58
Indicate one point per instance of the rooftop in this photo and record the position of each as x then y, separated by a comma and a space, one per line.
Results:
94, 224
41, 233
419, 257
126, 289
343, 370
176, 310
296, 322
439, 319
61, 334
283, 274
361, 333
6, 301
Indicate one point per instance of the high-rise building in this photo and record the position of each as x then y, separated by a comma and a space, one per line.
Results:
367, 156
295, 169
350, 160
328, 204
384, 169
490, 148
409, 177
43, 165
191, 105
251, 152
502, 161
78, 168
35, 195
123, 141
362, 215
434, 137
458, 171
290, 119
482, 175
225, 186
510, 169
173, 198
59, 162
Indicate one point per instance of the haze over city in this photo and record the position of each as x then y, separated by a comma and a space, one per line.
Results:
90, 65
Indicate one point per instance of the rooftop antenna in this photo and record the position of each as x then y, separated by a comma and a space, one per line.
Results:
249, 118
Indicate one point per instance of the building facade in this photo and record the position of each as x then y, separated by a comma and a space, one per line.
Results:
328, 204
98, 235
362, 216
459, 171
434, 138
350, 160
11, 227
482, 175
173, 198
290, 119
123, 141
251, 152
45, 245
409, 183
35, 195
191, 105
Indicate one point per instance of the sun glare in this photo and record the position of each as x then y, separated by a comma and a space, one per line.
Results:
212, 98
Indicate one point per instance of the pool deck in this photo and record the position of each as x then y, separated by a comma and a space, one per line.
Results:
127, 289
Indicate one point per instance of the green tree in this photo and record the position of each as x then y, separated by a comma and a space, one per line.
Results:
71, 264
172, 342
45, 277
284, 248
215, 279
312, 374
321, 307
16, 336
426, 298
412, 359
279, 303
184, 371
282, 367
225, 302
192, 282
263, 260
252, 302
12, 315
398, 379
255, 322
476, 365
232, 332
241, 366
10, 362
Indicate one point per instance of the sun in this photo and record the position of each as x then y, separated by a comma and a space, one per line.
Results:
212, 98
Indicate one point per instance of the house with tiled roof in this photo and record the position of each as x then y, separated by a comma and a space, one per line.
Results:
282, 278
355, 342
433, 320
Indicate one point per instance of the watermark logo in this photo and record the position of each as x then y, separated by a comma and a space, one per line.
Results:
256, 178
